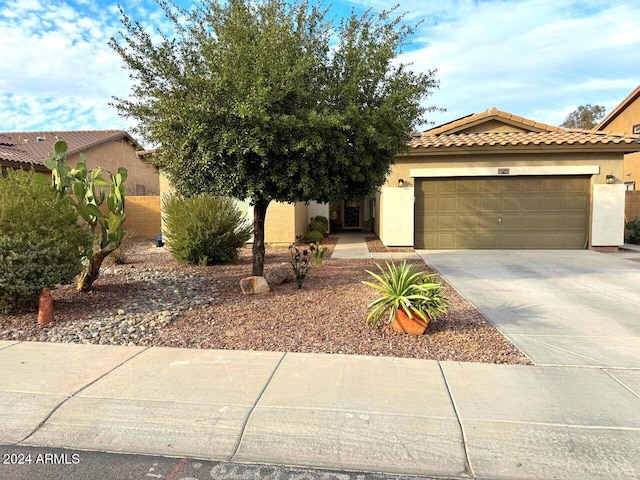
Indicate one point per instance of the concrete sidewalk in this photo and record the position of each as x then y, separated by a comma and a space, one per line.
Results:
340, 412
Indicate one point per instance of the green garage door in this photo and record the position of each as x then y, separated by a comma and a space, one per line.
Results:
502, 212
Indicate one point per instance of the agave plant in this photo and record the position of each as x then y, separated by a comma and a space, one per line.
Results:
403, 287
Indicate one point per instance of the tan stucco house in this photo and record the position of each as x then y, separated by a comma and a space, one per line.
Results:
488, 180
108, 149
497, 180
625, 119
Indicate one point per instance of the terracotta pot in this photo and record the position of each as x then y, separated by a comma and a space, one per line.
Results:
413, 326
45, 307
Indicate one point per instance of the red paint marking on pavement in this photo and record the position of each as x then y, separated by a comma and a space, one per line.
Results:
177, 469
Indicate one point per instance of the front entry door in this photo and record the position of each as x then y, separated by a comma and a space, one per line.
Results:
352, 215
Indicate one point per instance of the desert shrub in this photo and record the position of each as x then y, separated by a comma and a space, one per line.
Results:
315, 236
204, 230
317, 227
633, 227
41, 242
321, 219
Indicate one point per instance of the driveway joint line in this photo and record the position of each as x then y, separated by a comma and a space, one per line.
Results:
621, 383
551, 424
246, 422
55, 409
468, 467
17, 342
604, 364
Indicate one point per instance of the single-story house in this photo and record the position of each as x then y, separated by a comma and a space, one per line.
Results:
625, 119
487, 180
108, 149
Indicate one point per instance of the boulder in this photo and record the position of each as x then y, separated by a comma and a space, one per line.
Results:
251, 285
279, 274
45, 307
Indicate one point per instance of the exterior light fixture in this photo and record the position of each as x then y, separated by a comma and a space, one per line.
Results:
610, 179
400, 183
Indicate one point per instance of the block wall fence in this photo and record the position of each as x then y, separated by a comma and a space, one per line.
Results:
632, 204
143, 216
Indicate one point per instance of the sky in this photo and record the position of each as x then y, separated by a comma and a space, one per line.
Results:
540, 59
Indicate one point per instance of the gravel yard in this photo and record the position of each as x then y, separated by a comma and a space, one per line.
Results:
154, 301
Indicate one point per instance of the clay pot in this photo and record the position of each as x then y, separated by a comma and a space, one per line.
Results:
413, 326
45, 307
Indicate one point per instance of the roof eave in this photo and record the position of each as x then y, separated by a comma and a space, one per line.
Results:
618, 109
505, 149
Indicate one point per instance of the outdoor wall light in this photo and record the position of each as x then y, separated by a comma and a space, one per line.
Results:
610, 179
400, 183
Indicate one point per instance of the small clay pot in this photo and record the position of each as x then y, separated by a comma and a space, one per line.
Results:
45, 307
413, 326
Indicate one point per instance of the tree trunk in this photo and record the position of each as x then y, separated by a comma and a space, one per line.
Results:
92, 270
259, 216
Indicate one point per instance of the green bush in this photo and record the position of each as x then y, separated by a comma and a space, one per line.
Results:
317, 227
633, 227
41, 242
321, 219
204, 230
315, 236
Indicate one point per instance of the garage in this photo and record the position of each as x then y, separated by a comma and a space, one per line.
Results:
516, 212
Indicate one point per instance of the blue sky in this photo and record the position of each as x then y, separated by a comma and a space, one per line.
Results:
535, 58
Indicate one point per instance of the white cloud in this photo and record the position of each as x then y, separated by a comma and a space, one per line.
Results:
536, 58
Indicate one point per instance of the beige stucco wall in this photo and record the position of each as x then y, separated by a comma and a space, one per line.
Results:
280, 226
301, 214
610, 163
625, 120
114, 154
399, 206
632, 169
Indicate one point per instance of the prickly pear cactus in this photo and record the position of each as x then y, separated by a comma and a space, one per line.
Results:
86, 190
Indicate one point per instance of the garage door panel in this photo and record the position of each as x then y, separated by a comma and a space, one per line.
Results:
446, 240
491, 204
469, 204
468, 222
489, 185
488, 240
536, 212
447, 222
532, 222
447, 204
578, 203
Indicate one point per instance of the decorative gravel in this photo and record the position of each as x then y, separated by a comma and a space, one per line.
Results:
155, 301
376, 246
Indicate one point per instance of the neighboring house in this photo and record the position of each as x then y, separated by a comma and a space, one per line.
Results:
625, 119
108, 149
497, 180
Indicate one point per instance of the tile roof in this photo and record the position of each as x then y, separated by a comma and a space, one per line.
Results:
492, 113
35, 147
523, 139
619, 108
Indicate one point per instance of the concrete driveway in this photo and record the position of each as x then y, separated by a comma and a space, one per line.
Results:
571, 307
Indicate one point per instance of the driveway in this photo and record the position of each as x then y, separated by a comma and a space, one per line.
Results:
571, 307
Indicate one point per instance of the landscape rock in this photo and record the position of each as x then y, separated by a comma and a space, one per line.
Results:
254, 284
279, 274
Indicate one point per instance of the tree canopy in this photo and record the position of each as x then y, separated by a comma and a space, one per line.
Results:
584, 117
270, 100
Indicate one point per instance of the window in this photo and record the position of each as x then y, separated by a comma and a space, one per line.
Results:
631, 186
636, 128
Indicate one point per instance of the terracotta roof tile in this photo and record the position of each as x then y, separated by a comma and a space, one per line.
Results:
515, 139
38, 145
10, 153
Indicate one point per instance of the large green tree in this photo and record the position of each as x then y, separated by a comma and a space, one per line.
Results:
584, 117
271, 101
